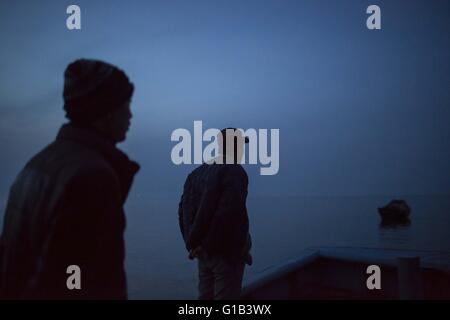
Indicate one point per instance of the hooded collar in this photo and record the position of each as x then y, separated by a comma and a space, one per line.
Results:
223, 159
119, 161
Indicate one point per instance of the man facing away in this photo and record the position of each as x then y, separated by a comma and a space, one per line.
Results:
66, 206
214, 222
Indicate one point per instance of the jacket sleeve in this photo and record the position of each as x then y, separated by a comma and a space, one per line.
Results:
180, 217
1, 264
228, 229
207, 205
185, 210
88, 232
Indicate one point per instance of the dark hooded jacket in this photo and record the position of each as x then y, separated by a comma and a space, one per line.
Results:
212, 211
66, 208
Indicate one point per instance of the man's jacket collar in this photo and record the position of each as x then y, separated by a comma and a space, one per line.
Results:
122, 165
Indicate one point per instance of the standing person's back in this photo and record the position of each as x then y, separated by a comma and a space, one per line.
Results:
66, 206
215, 226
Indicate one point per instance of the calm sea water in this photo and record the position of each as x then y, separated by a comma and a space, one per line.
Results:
281, 227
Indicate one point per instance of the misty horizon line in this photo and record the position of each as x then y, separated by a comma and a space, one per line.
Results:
304, 195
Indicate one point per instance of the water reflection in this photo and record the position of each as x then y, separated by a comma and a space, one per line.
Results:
386, 224
395, 234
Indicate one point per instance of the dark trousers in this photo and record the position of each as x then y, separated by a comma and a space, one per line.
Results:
220, 278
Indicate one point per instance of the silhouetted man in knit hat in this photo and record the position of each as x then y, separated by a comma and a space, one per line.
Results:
63, 228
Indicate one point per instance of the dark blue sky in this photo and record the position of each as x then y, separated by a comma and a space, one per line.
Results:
359, 111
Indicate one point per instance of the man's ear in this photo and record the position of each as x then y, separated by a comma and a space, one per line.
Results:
102, 123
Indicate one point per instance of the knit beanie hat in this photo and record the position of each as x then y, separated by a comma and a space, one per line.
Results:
94, 88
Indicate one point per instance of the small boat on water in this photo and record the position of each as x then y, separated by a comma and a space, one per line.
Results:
336, 273
395, 211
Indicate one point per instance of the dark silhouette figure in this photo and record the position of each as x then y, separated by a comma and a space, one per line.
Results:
214, 222
66, 206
